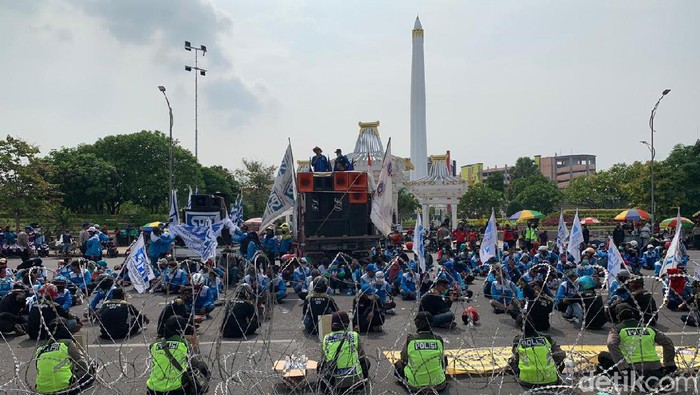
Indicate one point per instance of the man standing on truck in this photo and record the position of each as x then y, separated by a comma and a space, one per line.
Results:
342, 163
319, 162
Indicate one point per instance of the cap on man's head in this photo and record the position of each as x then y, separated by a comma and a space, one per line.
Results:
371, 268
317, 149
86, 224
92, 229
338, 151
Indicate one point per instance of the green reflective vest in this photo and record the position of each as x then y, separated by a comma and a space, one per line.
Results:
535, 361
531, 234
54, 369
424, 367
164, 376
638, 345
348, 362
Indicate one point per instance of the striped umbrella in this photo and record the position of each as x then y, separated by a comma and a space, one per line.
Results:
633, 214
525, 215
672, 222
589, 220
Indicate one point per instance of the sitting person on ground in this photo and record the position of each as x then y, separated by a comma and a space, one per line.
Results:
618, 291
102, 292
539, 305
61, 365
202, 301
316, 304
693, 305
80, 276
369, 314
45, 310
118, 318
173, 362
676, 289
567, 300
299, 279
439, 304
504, 295
632, 346
423, 361
593, 307
643, 301
64, 298
240, 314
383, 290
537, 359
176, 308
173, 278
278, 287
344, 363
409, 283
12, 311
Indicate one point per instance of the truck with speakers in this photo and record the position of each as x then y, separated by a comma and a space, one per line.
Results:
334, 214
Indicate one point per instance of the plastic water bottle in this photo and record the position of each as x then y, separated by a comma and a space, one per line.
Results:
569, 369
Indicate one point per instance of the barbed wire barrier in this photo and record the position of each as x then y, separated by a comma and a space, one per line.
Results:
244, 366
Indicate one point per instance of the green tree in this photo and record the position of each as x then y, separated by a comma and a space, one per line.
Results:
478, 201
256, 180
541, 196
524, 167
218, 179
598, 191
513, 207
677, 181
497, 182
408, 204
24, 190
518, 185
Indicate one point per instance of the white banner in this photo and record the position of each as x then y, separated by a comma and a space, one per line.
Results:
614, 261
673, 254
562, 233
576, 239
281, 199
418, 244
198, 238
383, 200
138, 265
489, 244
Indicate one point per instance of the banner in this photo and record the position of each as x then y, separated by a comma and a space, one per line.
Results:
418, 244
576, 239
281, 199
562, 232
209, 245
614, 261
236, 214
673, 254
202, 218
383, 200
189, 199
138, 265
174, 217
489, 244
199, 238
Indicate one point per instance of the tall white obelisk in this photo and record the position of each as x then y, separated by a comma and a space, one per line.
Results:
419, 140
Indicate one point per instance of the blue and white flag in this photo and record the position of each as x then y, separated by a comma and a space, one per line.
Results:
575, 240
174, 217
614, 261
489, 242
281, 199
138, 265
418, 245
199, 238
562, 233
236, 214
383, 200
673, 254
189, 198
209, 245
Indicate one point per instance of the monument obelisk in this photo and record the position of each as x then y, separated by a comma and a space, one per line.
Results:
419, 140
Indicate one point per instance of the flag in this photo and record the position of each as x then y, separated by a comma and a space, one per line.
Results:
174, 217
236, 211
199, 238
490, 240
673, 254
418, 245
210, 244
189, 198
383, 200
614, 261
138, 265
562, 232
281, 199
576, 239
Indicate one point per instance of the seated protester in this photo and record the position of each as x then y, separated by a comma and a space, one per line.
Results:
618, 292
344, 363
693, 304
102, 292
676, 289
383, 290
202, 301
585, 269
632, 260
64, 298
173, 362
643, 302
632, 346
61, 365
538, 304
79, 276
524, 263
649, 257
451, 274
511, 271
563, 265
45, 310
438, 304
567, 300
423, 361
6, 282
173, 278
12, 309
369, 315
331, 274
316, 304
394, 273
494, 269
240, 314
118, 318
176, 308
593, 307
100, 269
537, 360
368, 277
531, 275
504, 296
212, 279
299, 279
277, 285
409, 283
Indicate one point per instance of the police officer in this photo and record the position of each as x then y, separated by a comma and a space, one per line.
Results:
632, 346
422, 364
118, 318
240, 315
60, 363
537, 359
344, 363
316, 304
173, 362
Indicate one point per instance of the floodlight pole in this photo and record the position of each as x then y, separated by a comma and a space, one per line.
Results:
653, 154
170, 150
198, 71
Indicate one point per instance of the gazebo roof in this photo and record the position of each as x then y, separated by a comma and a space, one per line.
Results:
368, 143
439, 184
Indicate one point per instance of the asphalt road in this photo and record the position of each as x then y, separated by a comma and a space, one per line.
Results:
246, 366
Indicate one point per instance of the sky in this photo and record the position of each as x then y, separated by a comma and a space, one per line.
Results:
503, 79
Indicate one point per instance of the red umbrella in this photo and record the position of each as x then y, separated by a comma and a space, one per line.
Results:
589, 220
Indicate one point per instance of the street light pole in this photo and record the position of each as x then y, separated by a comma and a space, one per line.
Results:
653, 155
198, 72
170, 150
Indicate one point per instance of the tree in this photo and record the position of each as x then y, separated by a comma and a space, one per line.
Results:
518, 185
541, 196
524, 167
478, 201
599, 191
677, 181
513, 207
408, 204
218, 179
256, 180
497, 181
24, 190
